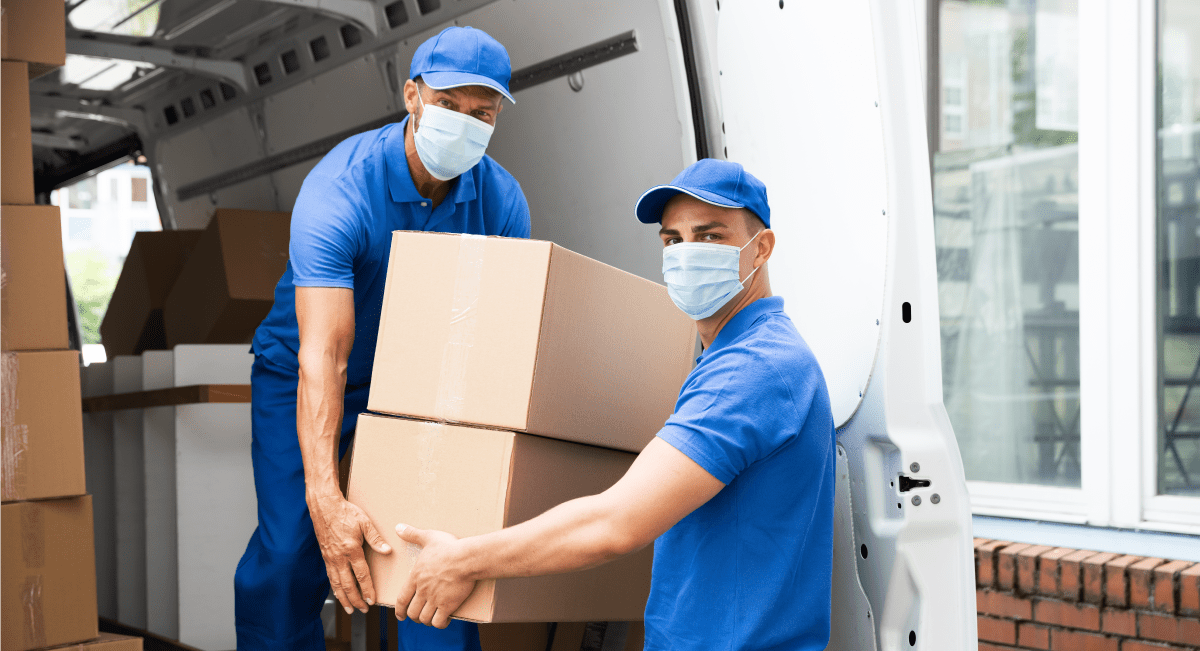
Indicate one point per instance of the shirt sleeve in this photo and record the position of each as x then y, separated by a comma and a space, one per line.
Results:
737, 411
327, 233
517, 224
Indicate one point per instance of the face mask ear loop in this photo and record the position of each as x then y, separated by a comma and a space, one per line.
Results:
421, 100
743, 282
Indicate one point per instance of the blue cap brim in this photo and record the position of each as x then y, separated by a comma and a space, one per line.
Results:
650, 206
444, 80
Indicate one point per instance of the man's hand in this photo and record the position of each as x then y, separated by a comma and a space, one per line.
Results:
341, 528
436, 587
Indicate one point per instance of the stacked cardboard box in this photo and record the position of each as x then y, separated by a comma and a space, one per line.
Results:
512, 376
48, 578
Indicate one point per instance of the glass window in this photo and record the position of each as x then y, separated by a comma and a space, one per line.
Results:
1006, 222
129, 17
79, 229
1179, 247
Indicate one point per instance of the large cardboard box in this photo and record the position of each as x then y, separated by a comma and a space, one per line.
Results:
34, 31
227, 285
33, 304
42, 426
528, 336
134, 320
470, 481
48, 577
16, 135
106, 642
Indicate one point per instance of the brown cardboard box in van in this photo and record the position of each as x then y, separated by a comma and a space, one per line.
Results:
134, 320
227, 285
48, 578
107, 642
526, 335
42, 426
470, 481
34, 300
34, 31
16, 135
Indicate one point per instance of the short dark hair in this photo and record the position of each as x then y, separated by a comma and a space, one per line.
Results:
753, 222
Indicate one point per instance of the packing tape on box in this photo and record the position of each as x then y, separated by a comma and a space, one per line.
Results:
15, 436
429, 439
461, 334
33, 558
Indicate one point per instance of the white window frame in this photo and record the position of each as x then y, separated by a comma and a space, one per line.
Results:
1118, 337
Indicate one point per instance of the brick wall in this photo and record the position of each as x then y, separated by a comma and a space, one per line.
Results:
1059, 599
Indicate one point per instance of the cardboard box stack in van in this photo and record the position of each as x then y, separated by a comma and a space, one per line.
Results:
227, 285
133, 322
48, 578
511, 376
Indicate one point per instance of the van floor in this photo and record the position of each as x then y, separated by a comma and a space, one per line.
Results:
150, 641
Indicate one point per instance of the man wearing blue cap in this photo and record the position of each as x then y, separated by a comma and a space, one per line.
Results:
314, 351
736, 491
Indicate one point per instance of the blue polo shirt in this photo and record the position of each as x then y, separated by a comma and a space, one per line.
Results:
342, 234
752, 568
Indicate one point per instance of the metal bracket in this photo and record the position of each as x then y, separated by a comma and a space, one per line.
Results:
51, 141
125, 117
99, 46
360, 12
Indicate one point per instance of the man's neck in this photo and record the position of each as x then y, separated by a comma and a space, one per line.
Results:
711, 327
433, 189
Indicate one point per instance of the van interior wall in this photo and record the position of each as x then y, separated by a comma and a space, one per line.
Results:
582, 157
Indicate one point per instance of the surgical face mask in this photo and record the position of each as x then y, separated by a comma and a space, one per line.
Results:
701, 277
448, 142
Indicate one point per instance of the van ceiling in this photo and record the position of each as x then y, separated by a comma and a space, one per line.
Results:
126, 58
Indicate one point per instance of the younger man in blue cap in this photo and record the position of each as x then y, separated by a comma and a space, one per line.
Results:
314, 351
736, 491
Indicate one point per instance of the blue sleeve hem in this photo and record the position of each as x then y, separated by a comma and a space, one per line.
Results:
346, 284
678, 437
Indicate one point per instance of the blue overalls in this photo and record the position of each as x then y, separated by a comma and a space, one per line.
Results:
341, 237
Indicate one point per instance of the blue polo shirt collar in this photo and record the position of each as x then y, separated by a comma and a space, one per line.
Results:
742, 321
400, 183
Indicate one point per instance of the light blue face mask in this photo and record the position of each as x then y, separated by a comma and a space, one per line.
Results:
701, 277
448, 142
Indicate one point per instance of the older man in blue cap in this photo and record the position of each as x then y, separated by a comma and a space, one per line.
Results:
736, 491
314, 351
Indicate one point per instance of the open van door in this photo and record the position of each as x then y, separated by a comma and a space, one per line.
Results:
824, 102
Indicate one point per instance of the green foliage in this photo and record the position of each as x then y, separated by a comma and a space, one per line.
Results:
92, 282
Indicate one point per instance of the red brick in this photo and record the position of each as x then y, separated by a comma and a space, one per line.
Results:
985, 571
1141, 582
1189, 591
1061, 640
1116, 581
1165, 584
1006, 566
984, 646
997, 630
1002, 604
1138, 645
1048, 569
1181, 630
1027, 561
1070, 574
1093, 576
1032, 636
1064, 613
1119, 621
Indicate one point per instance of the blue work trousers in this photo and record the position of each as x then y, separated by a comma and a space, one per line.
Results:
281, 584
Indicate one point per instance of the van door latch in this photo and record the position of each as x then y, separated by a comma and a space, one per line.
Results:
907, 484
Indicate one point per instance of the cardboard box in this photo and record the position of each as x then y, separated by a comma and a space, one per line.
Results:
564, 636
33, 305
106, 642
16, 135
133, 322
48, 574
34, 31
528, 336
42, 426
227, 285
470, 481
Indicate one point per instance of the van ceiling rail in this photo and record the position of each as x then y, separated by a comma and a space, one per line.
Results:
528, 77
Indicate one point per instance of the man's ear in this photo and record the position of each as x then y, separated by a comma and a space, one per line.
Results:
410, 97
766, 246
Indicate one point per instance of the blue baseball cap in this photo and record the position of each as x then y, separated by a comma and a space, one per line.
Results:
718, 182
463, 56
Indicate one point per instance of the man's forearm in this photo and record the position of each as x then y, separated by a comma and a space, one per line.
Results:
319, 403
582, 533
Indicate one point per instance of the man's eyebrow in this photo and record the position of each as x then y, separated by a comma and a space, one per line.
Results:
708, 227
668, 231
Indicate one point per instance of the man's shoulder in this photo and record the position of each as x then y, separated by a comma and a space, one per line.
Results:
351, 157
773, 341
493, 175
